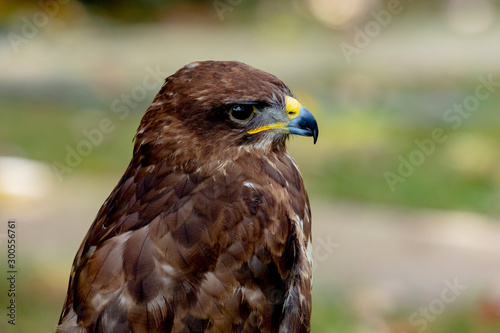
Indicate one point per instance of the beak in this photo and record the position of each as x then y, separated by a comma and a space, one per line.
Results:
304, 124
302, 121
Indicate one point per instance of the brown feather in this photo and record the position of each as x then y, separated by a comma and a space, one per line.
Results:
209, 228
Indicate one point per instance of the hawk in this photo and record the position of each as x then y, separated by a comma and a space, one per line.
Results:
209, 229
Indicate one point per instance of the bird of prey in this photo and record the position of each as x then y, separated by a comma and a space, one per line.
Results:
209, 229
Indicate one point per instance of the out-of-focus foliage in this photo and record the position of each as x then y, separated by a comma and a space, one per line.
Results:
161, 10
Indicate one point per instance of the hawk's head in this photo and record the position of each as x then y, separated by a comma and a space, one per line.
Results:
223, 104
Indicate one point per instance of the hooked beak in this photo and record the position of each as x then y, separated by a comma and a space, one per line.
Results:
304, 124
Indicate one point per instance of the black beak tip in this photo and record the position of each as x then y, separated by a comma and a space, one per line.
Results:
305, 125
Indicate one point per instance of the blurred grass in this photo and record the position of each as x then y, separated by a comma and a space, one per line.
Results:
357, 147
51, 128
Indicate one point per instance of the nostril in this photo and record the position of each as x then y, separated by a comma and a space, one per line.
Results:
292, 114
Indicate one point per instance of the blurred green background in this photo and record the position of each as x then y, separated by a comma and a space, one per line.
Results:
404, 180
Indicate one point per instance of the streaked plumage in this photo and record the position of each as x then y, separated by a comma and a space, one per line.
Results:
209, 229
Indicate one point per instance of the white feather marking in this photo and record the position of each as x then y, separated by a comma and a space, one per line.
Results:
192, 65
299, 222
91, 251
309, 257
293, 162
253, 296
124, 300
99, 300
274, 167
250, 185
170, 270
265, 142
307, 214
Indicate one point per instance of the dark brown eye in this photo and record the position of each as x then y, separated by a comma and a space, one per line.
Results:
242, 112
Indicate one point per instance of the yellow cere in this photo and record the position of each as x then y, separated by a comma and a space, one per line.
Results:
292, 107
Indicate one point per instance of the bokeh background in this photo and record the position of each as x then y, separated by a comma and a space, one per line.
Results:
404, 180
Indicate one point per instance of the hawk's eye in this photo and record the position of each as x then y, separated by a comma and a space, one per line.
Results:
242, 112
